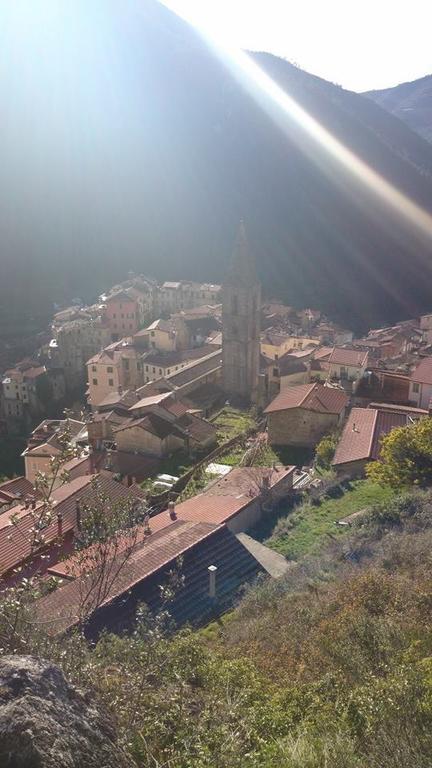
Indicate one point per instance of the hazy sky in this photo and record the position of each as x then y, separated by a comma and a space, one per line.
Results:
360, 45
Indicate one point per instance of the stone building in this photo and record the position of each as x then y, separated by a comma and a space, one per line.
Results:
241, 306
302, 415
77, 341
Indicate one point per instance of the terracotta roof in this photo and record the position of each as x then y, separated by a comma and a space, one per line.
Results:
199, 545
33, 373
16, 539
408, 409
78, 466
350, 357
423, 373
62, 606
362, 434
78, 565
210, 508
310, 397
247, 481
322, 353
18, 487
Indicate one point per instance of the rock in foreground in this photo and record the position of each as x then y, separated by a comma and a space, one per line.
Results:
47, 723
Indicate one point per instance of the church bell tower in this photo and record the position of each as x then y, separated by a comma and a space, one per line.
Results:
241, 311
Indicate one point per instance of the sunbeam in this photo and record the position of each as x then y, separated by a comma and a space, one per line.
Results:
281, 106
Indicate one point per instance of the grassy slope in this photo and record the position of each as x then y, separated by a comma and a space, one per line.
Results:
305, 530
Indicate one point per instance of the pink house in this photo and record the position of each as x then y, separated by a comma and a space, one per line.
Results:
420, 388
122, 315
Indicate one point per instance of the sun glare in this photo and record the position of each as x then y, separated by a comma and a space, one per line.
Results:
282, 108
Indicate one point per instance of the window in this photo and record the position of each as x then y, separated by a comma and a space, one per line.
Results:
154, 370
110, 382
416, 388
276, 357
168, 371
146, 367
109, 369
160, 371
152, 333
276, 372
94, 382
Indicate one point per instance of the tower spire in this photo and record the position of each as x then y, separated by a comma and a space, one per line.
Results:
241, 304
242, 265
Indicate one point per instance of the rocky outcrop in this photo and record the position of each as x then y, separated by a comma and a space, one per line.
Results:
47, 723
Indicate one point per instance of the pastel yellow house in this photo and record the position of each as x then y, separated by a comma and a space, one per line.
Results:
275, 344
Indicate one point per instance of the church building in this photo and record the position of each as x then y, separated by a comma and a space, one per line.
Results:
241, 309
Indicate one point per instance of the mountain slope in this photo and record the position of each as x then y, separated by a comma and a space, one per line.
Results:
128, 143
411, 102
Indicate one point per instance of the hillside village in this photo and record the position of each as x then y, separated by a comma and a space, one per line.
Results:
203, 407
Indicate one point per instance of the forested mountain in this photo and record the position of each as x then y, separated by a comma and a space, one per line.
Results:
128, 143
411, 102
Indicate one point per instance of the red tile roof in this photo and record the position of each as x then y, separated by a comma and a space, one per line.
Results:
310, 397
16, 539
362, 434
77, 565
18, 487
423, 373
350, 357
212, 509
247, 481
60, 610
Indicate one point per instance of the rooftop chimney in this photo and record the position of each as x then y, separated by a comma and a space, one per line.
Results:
212, 580
91, 460
171, 510
147, 529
